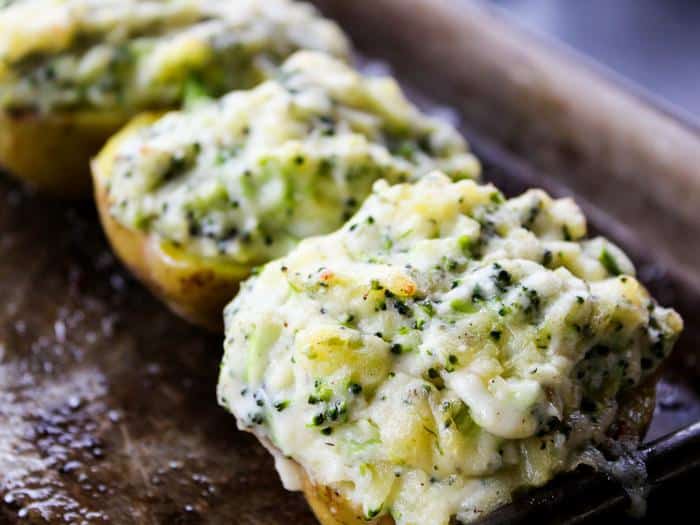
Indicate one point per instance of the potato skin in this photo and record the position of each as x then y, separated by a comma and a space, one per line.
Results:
52, 153
331, 509
636, 409
635, 413
195, 288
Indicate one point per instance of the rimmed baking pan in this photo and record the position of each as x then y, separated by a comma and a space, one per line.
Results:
107, 405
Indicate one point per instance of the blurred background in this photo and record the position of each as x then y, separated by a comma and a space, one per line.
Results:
654, 43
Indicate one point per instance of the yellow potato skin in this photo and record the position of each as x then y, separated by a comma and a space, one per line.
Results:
195, 288
634, 416
331, 508
52, 153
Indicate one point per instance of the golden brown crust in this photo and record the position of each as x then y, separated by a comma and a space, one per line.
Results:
195, 288
52, 152
634, 416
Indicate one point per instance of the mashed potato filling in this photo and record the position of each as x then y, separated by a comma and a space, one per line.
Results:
246, 177
442, 349
134, 54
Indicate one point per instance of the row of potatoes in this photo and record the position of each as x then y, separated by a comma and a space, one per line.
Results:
104, 98
303, 121
216, 135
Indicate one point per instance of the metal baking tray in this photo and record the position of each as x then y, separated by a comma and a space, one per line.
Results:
107, 401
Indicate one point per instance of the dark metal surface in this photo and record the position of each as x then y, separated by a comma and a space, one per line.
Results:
652, 42
107, 402
586, 496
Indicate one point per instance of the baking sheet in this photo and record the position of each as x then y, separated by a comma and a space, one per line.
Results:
107, 401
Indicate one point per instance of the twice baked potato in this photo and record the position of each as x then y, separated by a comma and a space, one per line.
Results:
443, 349
82, 68
193, 287
234, 183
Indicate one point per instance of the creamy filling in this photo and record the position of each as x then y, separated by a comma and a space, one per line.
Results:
129, 55
442, 349
248, 176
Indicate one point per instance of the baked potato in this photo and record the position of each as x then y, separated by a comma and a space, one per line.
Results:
234, 183
83, 68
193, 287
444, 349
53, 152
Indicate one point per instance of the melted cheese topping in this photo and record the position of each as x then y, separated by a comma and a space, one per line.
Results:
442, 349
134, 54
245, 178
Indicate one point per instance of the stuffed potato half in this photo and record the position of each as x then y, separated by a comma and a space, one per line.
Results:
442, 350
234, 183
193, 287
83, 68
